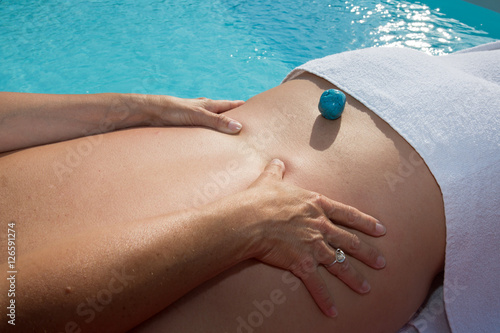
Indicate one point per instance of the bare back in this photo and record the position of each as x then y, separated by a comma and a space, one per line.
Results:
64, 188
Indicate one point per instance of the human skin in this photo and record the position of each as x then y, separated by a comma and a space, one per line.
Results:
241, 226
272, 221
136, 174
28, 120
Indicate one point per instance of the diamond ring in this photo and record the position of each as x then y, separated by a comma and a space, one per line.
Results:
339, 257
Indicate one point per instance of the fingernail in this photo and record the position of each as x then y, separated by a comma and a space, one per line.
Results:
277, 162
234, 126
332, 312
381, 262
365, 287
380, 229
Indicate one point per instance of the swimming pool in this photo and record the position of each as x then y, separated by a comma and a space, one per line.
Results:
215, 48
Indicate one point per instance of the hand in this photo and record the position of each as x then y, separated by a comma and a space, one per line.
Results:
298, 235
174, 111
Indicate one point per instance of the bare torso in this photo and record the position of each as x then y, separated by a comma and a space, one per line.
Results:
61, 189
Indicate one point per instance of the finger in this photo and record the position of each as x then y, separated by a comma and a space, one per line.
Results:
273, 170
218, 122
219, 106
354, 246
351, 217
349, 275
328, 257
316, 286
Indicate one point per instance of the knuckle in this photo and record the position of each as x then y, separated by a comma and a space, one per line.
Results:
317, 199
353, 216
205, 103
220, 120
322, 293
354, 244
270, 171
304, 207
373, 254
203, 99
312, 204
332, 210
323, 224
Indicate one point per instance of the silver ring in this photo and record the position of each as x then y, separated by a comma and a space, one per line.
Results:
339, 258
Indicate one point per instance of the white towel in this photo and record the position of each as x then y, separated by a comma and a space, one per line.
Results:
431, 317
448, 109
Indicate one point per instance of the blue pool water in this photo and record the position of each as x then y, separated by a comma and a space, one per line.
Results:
215, 48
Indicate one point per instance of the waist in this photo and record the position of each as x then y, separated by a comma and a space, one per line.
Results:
129, 175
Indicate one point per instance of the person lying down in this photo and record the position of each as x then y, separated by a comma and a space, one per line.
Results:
292, 223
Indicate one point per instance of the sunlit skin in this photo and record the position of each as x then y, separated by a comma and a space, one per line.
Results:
28, 120
115, 203
288, 227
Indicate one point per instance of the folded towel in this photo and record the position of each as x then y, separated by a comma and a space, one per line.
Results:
448, 109
431, 317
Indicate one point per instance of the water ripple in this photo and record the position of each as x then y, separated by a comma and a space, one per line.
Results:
215, 48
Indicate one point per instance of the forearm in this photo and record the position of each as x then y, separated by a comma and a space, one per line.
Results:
113, 279
34, 119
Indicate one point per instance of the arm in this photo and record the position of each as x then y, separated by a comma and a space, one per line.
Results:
112, 279
34, 119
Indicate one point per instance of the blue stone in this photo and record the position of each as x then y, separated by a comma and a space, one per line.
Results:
332, 103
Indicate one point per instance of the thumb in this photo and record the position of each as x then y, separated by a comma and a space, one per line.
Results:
273, 170
221, 123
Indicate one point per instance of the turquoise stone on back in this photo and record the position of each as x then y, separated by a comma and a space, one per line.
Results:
331, 104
